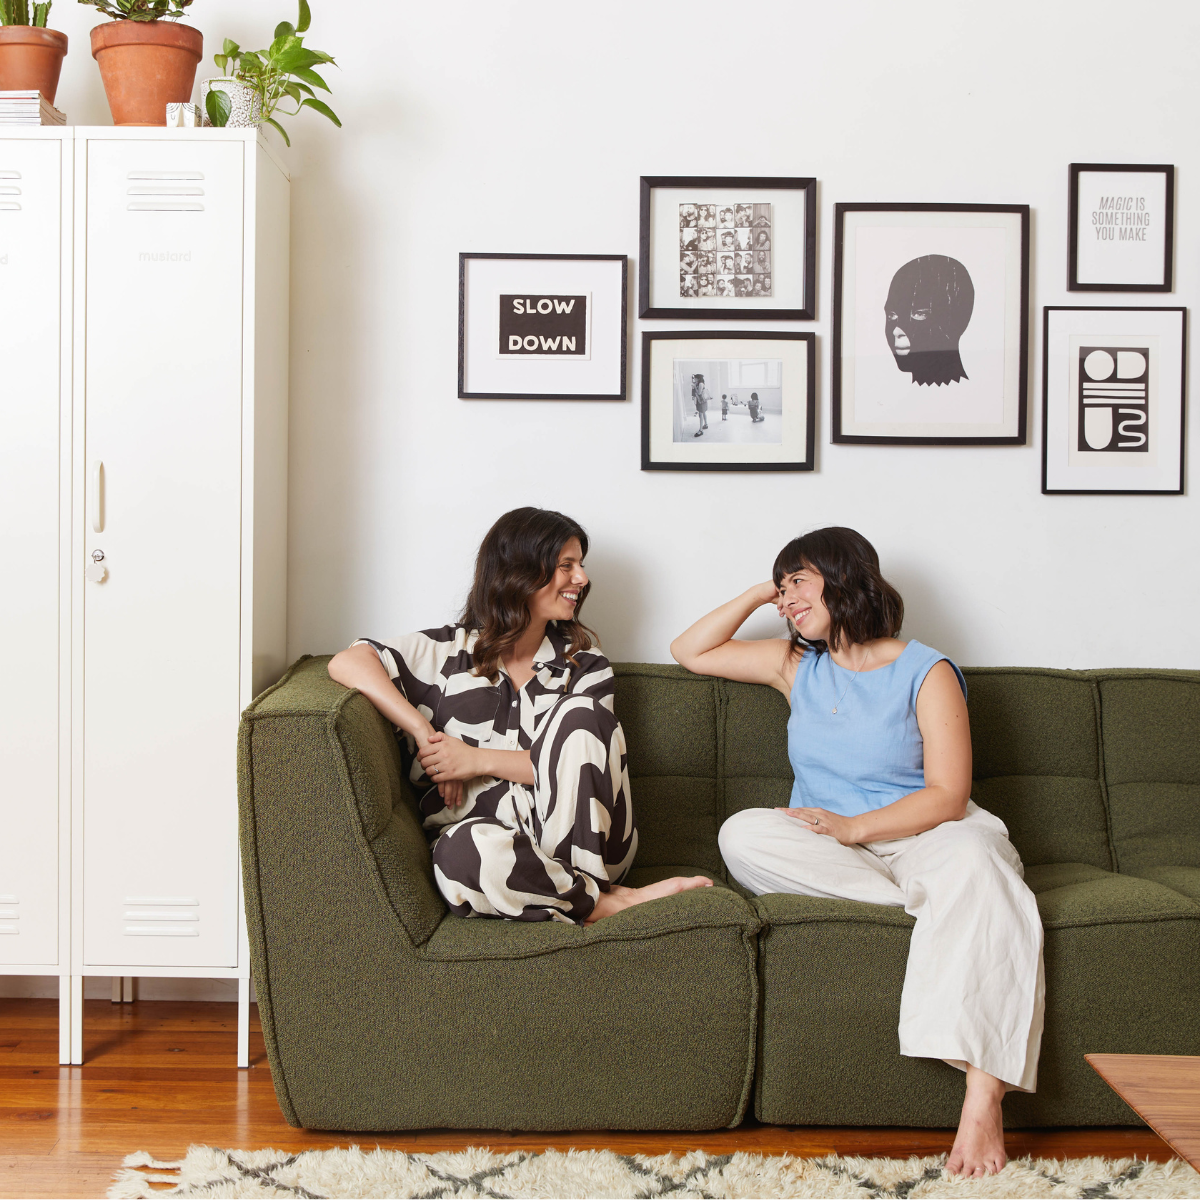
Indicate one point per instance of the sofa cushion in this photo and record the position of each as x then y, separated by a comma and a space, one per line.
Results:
1035, 740
1151, 722
1185, 880
670, 720
1122, 976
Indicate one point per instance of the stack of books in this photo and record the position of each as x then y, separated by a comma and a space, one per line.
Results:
28, 108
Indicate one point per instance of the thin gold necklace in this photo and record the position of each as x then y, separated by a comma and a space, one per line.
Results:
852, 679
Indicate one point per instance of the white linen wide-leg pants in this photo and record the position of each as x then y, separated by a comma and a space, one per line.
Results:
974, 990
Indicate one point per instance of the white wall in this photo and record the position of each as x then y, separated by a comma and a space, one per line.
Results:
504, 126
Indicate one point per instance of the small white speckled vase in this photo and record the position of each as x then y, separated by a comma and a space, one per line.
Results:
245, 104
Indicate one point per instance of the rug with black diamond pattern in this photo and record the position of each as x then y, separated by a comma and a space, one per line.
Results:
476, 1172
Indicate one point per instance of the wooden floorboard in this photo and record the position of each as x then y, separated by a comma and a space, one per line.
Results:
159, 1075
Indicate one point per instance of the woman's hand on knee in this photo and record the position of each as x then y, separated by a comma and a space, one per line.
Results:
827, 824
445, 759
451, 792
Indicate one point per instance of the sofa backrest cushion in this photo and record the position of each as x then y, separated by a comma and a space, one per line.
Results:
670, 720
1151, 723
1035, 736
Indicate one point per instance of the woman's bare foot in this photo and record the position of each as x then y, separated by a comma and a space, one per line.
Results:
979, 1145
617, 897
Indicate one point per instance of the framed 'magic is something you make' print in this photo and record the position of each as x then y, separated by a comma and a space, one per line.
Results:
727, 248
1113, 384
930, 324
728, 400
1122, 228
542, 326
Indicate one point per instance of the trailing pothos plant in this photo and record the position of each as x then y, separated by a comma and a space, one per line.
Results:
21, 12
141, 10
284, 71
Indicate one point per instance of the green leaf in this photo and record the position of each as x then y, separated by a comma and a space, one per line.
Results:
300, 87
284, 29
222, 63
272, 121
231, 49
218, 106
310, 77
305, 17
323, 109
290, 60
283, 43
293, 90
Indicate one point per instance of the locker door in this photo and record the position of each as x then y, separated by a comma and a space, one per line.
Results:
30, 315
161, 631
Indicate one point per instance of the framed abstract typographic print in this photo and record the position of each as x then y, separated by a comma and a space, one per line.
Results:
542, 326
1113, 387
728, 248
1122, 228
930, 324
728, 401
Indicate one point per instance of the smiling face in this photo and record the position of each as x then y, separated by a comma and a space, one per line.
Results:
558, 600
800, 599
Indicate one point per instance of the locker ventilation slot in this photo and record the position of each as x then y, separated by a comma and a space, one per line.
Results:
9, 206
164, 175
162, 191
164, 206
10, 174
161, 916
9, 915
6, 190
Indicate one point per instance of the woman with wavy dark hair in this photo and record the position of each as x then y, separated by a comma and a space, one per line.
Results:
510, 738
881, 812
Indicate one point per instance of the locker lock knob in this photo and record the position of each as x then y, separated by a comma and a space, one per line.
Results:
97, 556
97, 572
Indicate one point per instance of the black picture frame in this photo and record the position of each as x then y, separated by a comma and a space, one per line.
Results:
621, 395
807, 310
1167, 282
1046, 378
838, 437
649, 337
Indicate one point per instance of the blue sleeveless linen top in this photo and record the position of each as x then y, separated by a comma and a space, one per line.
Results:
870, 753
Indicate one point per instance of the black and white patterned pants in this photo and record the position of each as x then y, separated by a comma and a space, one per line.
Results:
546, 852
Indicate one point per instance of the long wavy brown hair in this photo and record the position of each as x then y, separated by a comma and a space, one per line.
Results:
518, 557
862, 604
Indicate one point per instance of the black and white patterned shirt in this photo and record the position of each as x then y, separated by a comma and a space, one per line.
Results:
434, 672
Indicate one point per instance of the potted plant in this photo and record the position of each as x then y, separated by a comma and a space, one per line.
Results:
30, 54
146, 59
256, 82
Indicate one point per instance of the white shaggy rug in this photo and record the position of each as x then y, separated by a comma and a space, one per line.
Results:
475, 1172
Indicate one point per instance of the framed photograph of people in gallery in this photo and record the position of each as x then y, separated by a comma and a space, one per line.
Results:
1122, 228
1113, 389
728, 248
930, 324
542, 326
728, 400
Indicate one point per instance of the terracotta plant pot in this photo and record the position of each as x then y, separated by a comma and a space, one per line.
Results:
146, 65
31, 58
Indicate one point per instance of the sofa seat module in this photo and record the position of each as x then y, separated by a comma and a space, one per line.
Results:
381, 1011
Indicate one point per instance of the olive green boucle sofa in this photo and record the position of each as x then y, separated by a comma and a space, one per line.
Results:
382, 1012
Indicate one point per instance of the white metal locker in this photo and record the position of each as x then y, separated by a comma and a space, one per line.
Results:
161, 631
31, 227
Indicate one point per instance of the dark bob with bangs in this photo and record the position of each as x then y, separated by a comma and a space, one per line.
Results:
519, 556
862, 604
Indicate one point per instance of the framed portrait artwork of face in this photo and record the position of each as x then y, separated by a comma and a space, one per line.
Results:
1113, 383
930, 324
727, 248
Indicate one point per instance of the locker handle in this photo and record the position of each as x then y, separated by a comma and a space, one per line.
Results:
97, 499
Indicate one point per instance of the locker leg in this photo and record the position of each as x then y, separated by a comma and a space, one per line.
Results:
128, 989
76, 1020
64, 1019
116, 989
243, 1042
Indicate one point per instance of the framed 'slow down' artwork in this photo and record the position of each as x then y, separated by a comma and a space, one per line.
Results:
1113, 384
542, 326
728, 400
728, 248
930, 324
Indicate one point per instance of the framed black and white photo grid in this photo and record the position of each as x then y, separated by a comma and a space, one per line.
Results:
1122, 228
542, 326
728, 400
1113, 392
728, 248
930, 324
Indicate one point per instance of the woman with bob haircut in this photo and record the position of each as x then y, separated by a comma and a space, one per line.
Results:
509, 736
881, 812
